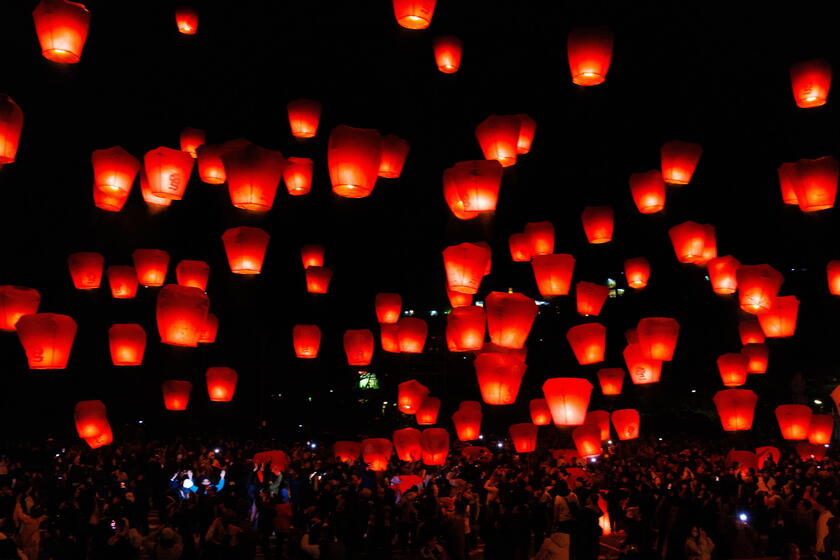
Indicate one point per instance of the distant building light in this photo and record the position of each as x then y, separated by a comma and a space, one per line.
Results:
610, 283
817, 401
542, 303
480, 303
433, 313
480, 436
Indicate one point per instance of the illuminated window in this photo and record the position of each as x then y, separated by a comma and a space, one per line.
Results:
368, 380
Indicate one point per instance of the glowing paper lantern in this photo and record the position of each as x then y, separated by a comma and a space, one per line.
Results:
794, 420
109, 201
114, 171
353, 156
658, 337
394, 153
389, 337
90, 417
519, 248
598, 224
648, 191
465, 265
193, 273
168, 172
148, 197
253, 174
86, 270
186, 17
540, 238
221, 383
191, 139
176, 394
527, 129
736, 408
600, 418
410, 396
820, 429
210, 330
122, 281
427, 413
62, 29
780, 320
407, 444
749, 331
47, 339
679, 160
414, 14
181, 314
312, 255
150, 266
104, 438
434, 444
553, 273
540, 413
211, 169
11, 124
626, 422
787, 178
524, 437
688, 239
723, 274
465, 327
767, 452
376, 452
568, 399
757, 355
477, 184
127, 342
447, 53
458, 299
587, 440
643, 370
15, 302
358, 346
816, 183
304, 116
467, 420
590, 54
498, 136
733, 369
347, 451
590, 298
637, 272
611, 380
499, 377
588, 342
318, 279
509, 318
810, 81
453, 198
245, 248
833, 273
306, 340
388, 308
709, 245
298, 175
411, 334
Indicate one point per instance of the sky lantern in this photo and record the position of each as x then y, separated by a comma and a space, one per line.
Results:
394, 153
648, 191
353, 156
86, 270
540, 413
245, 248
521, 354
209, 330
168, 172
389, 337
123, 281
410, 396
758, 356
832, 270
643, 370
114, 171
150, 265
527, 129
181, 314
688, 239
598, 224
658, 337
767, 452
590, 53
90, 418
816, 183
298, 175
127, 342
318, 279
540, 238
733, 369
62, 29
611, 380
820, 429
458, 299
304, 115
176, 394
211, 169
306, 340
11, 124
736, 408
191, 139
590, 298
568, 399
780, 320
553, 273
104, 438
448, 53
146, 191
428, 412
679, 160
810, 81
637, 272
467, 422
524, 437
465, 327
758, 286
477, 184
434, 444
221, 383
253, 175
498, 136
499, 377
47, 339
376, 453
358, 346
709, 245
794, 420
749, 331
587, 440
347, 451
109, 201
312, 255
626, 422
509, 318
465, 265
519, 248
414, 14
411, 333
407, 444
193, 273
453, 197
388, 307
787, 178
600, 418
723, 274
15, 302
588, 342
186, 17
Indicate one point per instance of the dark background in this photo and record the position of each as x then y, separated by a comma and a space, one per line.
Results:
697, 71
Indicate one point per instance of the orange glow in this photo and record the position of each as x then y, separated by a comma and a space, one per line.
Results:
600, 418
519, 248
524, 437
458, 299
151, 266
312, 255
499, 377
498, 136
193, 273
527, 130
476, 184
407, 444
787, 179
347, 451
304, 116
358, 346
353, 156
679, 160
553, 273
186, 18
810, 81
11, 124
540, 413
414, 14
221, 383
590, 298
447, 53
453, 198
410, 396
733, 369
209, 330
176, 394
427, 413
598, 224
15, 302
148, 197
540, 238
736, 408
758, 286
47, 339
434, 443
611, 380
318, 279
587, 440
794, 420
637, 272
820, 429
465, 328
109, 201
91, 418
750, 331
211, 169
648, 191
590, 53
123, 281
253, 175
105, 438
808, 451
127, 342
245, 248
758, 356
689, 240
467, 420
643, 370
62, 29
306, 340
626, 422
168, 172
833, 272
465, 265
780, 320
181, 314
658, 337
376, 452
394, 153
388, 307
816, 183
389, 338
298, 176
411, 334
723, 274
86, 270
568, 399
191, 139
114, 171
509, 318
588, 342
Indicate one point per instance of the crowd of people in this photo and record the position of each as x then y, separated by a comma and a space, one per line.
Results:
192, 500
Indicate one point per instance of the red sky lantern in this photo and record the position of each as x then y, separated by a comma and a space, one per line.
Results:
312, 255
122, 281
394, 153
210, 330
588, 342
109, 201
407, 444
658, 337
833, 273
90, 418
477, 184
245, 248
465, 327
304, 116
306, 340
723, 274
540, 237
191, 139
767, 452
758, 356
637, 272
794, 420
758, 286
389, 338
587, 440
524, 437
590, 298
127, 342
62, 29
688, 239
498, 136
520, 353
611, 380
181, 314
411, 334
447, 53
221, 383
816, 183
810, 81
353, 156
787, 178
298, 175
414, 14
600, 418
145, 190
736, 408
780, 320
568, 399
15, 302
428, 412
598, 224
114, 171
540, 413
176, 394
527, 129
590, 53
499, 377
643, 370
709, 245
749, 331
253, 175
193, 273
211, 169
626, 422
358, 346
410, 396
376, 452
318, 279
434, 444
347, 451
458, 299
11, 124
648, 191
453, 198
47, 339
388, 307
820, 429
150, 265
467, 422
553, 273
519, 248
186, 17
733, 369
86, 270
465, 265
679, 160
168, 172
509, 318
105, 438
